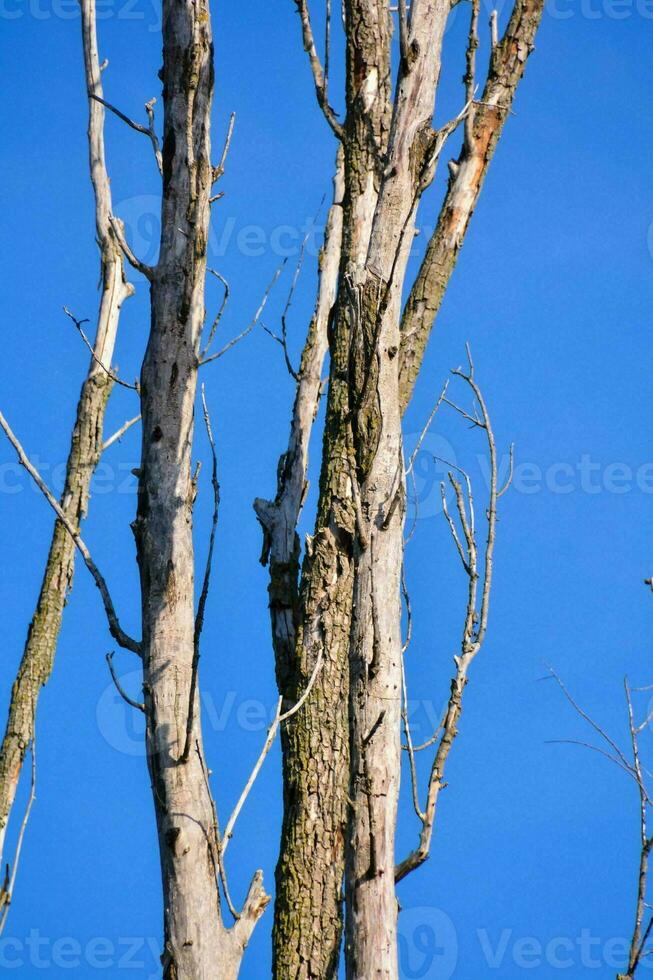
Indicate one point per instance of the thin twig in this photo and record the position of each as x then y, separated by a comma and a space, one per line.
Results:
218, 171
248, 329
117, 436
121, 691
107, 371
590, 721
279, 718
426, 428
8, 888
409, 743
219, 314
201, 606
216, 848
114, 626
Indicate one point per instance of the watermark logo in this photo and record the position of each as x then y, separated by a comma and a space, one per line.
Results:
428, 944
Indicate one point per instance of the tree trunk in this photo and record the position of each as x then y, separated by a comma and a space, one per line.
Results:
309, 875
85, 450
391, 152
198, 946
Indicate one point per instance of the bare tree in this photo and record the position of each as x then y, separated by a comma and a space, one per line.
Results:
344, 608
336, 618
197, 941
85, 450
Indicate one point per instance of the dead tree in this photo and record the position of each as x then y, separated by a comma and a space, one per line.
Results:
85, 451
344, 607
198, 943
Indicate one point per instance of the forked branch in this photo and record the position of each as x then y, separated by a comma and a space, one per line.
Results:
478, 569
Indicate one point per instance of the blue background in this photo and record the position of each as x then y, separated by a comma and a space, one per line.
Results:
535, 842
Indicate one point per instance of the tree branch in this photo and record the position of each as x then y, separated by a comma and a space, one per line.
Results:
107, 371
201, 607
468, 173
319, 76
114, 626
473, 633
148, 131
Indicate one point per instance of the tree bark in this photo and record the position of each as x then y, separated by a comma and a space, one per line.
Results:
390, 154
375, 651
308, 908
85, 450
198, 946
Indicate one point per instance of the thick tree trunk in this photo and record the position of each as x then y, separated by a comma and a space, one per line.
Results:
374, 364
375, 653
85, 450
309, 876
198, 946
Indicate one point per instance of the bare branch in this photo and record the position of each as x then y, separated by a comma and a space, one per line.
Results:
511, 470
114, 626
467, 176
248, 329
117, 436
218, 171
107, 371
118, 230
473, 632
319, 76
148, 131
7, 891
219, 314
121, 691
279, 718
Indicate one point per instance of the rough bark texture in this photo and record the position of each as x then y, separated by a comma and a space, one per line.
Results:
375, 652
390, 154
198, 946
308, 909
85, 449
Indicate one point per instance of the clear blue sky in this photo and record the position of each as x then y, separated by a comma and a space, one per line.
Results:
535, 843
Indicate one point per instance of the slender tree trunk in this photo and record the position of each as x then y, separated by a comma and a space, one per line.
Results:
85, 450
198, 946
